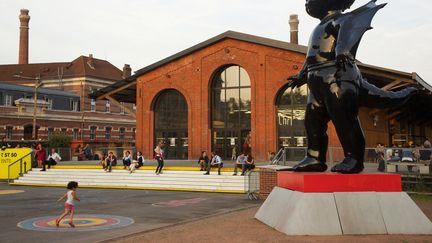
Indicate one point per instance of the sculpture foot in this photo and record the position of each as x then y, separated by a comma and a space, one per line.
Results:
309, 164
348, 166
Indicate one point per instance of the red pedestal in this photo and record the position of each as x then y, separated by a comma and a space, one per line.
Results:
332, 182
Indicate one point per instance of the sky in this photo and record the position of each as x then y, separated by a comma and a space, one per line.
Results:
141, 32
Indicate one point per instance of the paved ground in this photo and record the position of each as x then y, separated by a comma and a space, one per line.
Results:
242, 227
149, 209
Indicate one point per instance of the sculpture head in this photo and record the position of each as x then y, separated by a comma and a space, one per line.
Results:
320, 8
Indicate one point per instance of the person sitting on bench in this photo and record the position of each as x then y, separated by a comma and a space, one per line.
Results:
127, 159
216, 161
52, 159
240, 163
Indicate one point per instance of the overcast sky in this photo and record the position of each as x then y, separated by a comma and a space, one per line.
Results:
141, 32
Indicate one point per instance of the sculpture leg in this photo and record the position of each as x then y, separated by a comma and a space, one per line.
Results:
316, 128
342, 105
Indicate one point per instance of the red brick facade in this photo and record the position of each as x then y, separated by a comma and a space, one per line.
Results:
268, 66
191, 75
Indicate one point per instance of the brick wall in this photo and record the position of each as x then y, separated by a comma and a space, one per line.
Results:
268, 180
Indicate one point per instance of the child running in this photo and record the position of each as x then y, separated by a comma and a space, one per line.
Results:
71, 197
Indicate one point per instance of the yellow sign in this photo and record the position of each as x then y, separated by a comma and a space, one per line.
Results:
9, 156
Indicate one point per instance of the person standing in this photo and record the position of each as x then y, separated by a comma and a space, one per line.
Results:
40, 155
427, 143
88, 152
159, 158
52, 159
234, 153
215, 161
203, 161
380, 157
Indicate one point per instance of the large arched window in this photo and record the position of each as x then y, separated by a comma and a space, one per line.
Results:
231, 111
171, 124
291, 110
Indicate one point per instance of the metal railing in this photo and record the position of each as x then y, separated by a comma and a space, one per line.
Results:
336, 154
252, 184
20, 160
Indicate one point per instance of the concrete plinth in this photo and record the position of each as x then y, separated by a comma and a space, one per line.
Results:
342, 213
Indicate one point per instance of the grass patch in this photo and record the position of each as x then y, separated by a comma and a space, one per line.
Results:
421, 197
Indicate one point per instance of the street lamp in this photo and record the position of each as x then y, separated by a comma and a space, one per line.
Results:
38, 83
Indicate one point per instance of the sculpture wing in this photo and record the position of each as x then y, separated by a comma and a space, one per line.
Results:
353, 25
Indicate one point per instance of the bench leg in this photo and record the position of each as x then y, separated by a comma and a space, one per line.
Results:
424, 169
392, 168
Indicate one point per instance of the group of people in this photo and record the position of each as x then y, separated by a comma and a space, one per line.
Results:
131, 164
84, 153
393, 154
42, 160
243, 161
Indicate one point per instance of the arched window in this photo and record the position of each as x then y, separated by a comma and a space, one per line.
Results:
291, 110
231, 111
171, 124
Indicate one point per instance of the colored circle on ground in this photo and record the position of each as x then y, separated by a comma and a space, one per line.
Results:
6, 192
82, 222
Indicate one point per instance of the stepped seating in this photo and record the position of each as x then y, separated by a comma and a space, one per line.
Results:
183, 180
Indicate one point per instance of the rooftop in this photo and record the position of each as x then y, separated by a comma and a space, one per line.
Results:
29, 89
82, 66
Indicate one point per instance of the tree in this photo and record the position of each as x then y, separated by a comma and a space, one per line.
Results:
59, 140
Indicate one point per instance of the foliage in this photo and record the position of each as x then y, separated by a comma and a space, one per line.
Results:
59, 140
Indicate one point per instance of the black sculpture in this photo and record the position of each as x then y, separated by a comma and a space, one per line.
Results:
337, 88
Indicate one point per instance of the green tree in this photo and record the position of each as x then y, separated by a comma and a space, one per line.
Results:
59, 140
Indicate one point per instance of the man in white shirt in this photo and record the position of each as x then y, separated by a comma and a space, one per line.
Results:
427, 143
216, 161
52, 159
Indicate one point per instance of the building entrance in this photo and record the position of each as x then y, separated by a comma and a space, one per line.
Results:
171, 124
231, 111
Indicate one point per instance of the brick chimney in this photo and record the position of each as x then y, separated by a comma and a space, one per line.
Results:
24, 37
294, 24
126, 71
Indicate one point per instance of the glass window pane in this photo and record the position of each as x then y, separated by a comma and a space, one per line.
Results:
291, 117
244, 78
232, 107
245, 108
218, 108
300, 95
233, 76
286, 98
231, 110
171, 124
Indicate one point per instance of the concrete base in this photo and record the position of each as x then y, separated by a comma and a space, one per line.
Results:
343, 213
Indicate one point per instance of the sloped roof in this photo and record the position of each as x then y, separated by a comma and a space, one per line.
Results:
80, 67
125, 95
226, 35
27, 89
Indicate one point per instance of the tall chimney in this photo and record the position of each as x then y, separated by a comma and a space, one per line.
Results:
294, 24
24, 37
126, 71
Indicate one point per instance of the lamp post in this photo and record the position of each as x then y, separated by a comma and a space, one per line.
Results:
38, 83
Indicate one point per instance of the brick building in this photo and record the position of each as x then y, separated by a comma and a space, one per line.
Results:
62, 99
230, 91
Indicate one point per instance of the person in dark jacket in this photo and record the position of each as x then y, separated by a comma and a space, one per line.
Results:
203, 161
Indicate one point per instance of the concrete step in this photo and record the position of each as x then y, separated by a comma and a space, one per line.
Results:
140, 179
137, 185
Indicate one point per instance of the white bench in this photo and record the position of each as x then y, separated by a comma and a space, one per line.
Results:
423, 166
